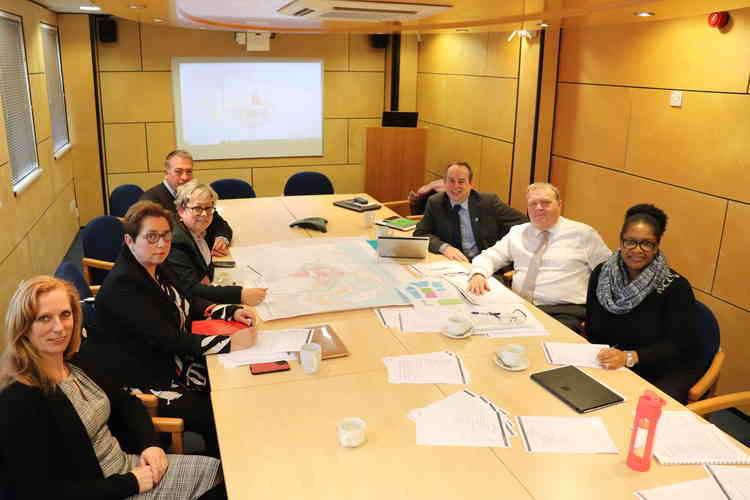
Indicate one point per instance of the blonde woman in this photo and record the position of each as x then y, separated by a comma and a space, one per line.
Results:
67, 433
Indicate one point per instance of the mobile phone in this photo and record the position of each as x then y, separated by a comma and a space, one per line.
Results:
273, 366
224, 263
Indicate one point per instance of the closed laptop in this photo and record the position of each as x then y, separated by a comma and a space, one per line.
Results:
578, 390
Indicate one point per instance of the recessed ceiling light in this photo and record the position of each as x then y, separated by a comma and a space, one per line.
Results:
157, 20
543, 25
644, 14
92, 8
136, 6
463, 30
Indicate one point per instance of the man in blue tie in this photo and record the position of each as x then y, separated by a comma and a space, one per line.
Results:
462, 222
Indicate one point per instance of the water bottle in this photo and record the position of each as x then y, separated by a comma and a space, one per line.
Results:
646, 417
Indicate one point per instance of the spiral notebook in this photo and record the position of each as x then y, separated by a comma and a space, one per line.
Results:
682, 439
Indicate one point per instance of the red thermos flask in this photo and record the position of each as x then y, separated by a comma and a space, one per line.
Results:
646, 417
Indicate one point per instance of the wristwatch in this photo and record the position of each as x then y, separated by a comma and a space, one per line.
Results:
629, 359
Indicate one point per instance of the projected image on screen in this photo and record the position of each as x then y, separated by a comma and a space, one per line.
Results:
248, 108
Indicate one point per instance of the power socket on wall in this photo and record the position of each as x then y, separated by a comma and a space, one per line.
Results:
675, 99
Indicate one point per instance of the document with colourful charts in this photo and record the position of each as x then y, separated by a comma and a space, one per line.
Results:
431, 292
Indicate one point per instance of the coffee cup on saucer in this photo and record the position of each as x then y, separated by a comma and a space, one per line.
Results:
457, 327
512, 357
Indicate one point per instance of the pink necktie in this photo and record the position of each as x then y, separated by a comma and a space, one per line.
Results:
527, 289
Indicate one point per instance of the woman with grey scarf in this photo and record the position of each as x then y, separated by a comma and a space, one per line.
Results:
644, 309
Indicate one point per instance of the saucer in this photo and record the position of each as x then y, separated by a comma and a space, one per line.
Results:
464, 335
518, 368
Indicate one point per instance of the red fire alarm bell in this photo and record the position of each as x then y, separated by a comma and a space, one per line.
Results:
718, 19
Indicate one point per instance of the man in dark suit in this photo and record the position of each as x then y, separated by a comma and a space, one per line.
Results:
462, 222
179, 170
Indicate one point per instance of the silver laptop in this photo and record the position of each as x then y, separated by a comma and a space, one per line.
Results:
414, 247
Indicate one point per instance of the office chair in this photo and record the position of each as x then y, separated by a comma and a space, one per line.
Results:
69, 272
306, 183
102, 240
711, 356
232, 189
122, 197
175, 427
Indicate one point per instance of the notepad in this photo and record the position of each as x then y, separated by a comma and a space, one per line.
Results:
429, 368
398, 223
565, 435
576, 354
724, 482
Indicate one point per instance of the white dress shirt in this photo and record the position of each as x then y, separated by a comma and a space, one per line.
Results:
573, 251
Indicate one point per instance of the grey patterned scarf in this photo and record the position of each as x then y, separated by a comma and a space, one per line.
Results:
619, 296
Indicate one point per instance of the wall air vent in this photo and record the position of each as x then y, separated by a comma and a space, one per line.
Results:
360, 10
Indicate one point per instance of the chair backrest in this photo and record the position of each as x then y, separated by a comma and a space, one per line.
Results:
69, 272
102, 240
305, 183
232, 189
122, 197
709, 334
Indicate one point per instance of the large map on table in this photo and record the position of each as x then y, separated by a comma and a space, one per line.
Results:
319, 275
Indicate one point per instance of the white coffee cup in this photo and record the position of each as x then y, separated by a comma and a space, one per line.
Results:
382, 231
309, 357
513, 356
369, 218
352, 432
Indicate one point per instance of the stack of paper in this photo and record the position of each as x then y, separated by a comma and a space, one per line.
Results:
271, 345
439, 268
498, 294
725, 482
431, 368
463, 419
565, 435
567, 353
681, 438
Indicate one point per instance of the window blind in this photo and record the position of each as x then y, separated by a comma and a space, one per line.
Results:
14, 87
55, 88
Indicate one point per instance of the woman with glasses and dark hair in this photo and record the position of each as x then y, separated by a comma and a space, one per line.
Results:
644, 309
190, 255
144, 325
67, 432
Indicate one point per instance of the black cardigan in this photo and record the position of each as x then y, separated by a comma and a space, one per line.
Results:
45, 451
190, 268
159, 194
138, 326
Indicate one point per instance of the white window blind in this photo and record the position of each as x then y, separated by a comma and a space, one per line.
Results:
55, 89
14, 87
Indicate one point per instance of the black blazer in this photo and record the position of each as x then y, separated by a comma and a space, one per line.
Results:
138, 330
161, 195
190, 268
491, 219
45, 451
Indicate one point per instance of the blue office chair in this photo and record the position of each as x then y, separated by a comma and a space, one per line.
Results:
232, 189
102, 241
305, 183
710, 357
69, 272
122, 197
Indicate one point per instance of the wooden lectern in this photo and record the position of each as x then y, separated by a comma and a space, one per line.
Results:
395, 161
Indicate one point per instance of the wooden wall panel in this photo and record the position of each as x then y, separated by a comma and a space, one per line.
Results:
599, 197
78, 76
60, 221
461, 54
160, 141
345, 178
407, 88
735, 342
495, 168
15, 268
145, 180
30, 204
677, 54
126, 147
12, 233
445, 145
733, 272
161, 43
591, 124
502, 55
61, 170
136, 97
703, 145
344, 92
125, 53
484, 106
362, 56
357, 139
40, 106
4, 158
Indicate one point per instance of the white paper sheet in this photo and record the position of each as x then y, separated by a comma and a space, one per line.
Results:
241, 358
567, 353
697, 489
431, 368
271, 345
439, 268
565, 435
498, 294
735, 481
389, 316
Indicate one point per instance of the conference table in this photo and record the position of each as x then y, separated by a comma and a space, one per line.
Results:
277, 431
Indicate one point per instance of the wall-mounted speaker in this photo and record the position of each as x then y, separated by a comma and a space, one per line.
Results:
379, 41
107, 30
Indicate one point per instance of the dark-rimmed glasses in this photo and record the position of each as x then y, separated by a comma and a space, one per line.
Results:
646, 245
153, 237
201, 210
